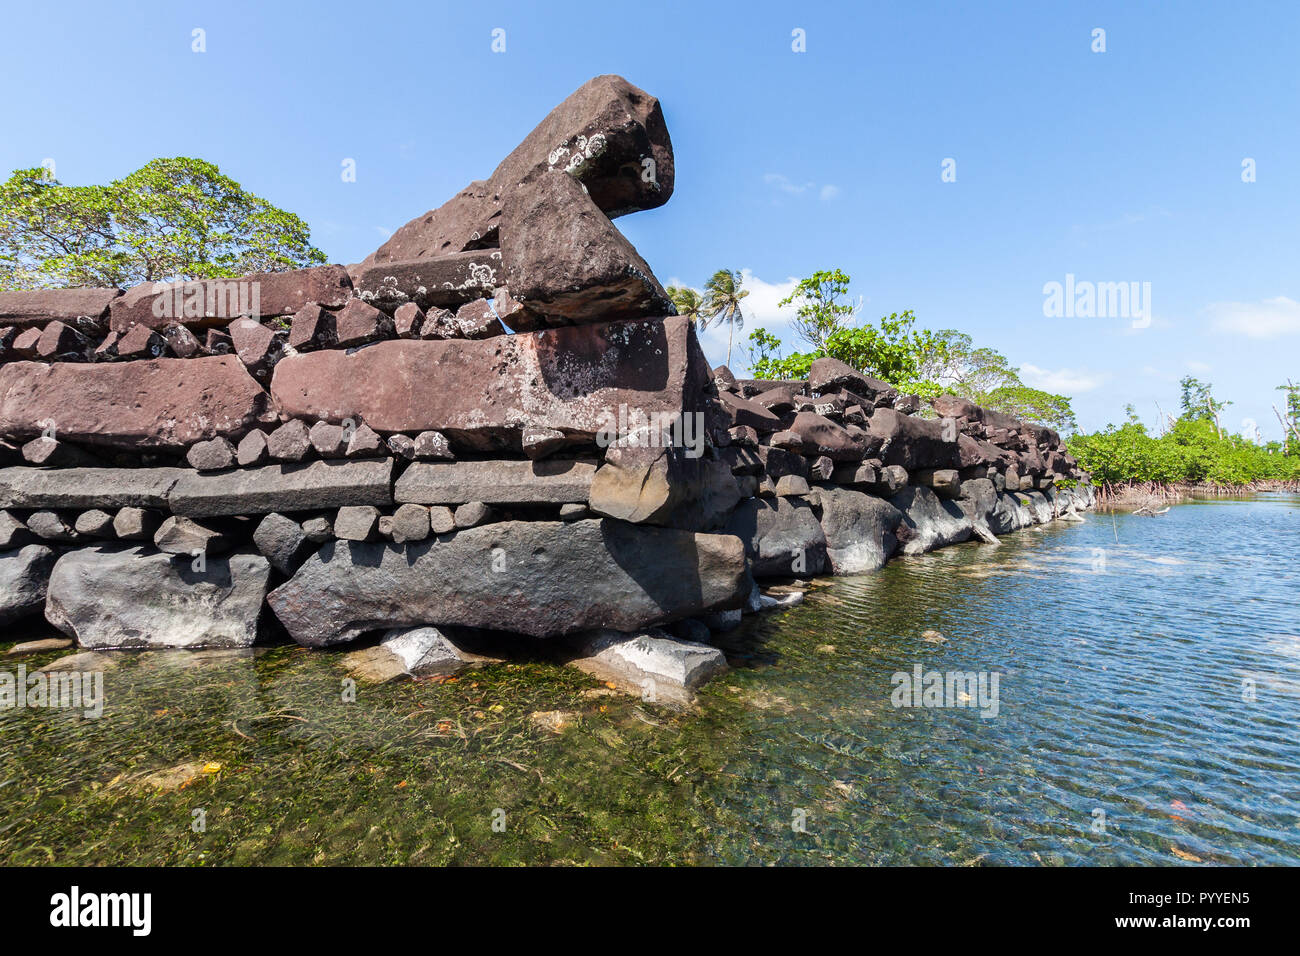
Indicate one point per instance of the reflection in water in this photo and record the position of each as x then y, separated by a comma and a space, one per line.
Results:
1148, 682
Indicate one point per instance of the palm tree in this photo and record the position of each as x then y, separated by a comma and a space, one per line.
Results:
690, 303
722, 295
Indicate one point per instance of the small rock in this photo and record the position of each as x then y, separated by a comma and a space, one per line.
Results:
52, 453
50, 526
441, 520
39, 647
365, 443
318, 530
290, 442
214, 455
141, 342
472, 513
356, 523
179, 535
408, 320
13, 533
787, 441
555, 721
135, 524
790, 486
181, 342
402, 446
573, 512
541, 442
410, 523
476, 320
933, 637
432, 445
283, 542
312, 328
358, 323
330, 441
96, 523
252, 449
83, 662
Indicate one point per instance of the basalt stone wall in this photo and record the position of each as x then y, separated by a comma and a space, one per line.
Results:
495, 423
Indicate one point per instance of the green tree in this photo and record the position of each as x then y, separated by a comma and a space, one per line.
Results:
1198, 401
690, 303
1290, 419
722, 298
171, 219
819, 313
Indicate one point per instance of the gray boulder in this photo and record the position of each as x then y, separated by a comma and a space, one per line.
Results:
930, 521
782, 537
859, 529
24, 574
110, 596
541, 578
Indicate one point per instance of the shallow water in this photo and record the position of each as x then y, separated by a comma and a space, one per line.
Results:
1147, 712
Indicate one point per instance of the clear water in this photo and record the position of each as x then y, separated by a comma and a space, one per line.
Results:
1148, 709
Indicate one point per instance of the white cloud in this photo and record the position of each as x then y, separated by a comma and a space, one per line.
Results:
1195, 366
1062, 381
784, 184
1257, 320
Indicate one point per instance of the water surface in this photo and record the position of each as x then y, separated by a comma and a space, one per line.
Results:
1147, 713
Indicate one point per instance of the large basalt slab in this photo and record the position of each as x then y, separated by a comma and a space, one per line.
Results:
782, 537
608, 134
483, 394
156, 404
913, 442
565, 260
445, 282
24, 575
217, 302
540, 578
136, 597
42, 306
496, 482
664, 486
829, 374
279, 488
859, 529
821, 436
931, 522
22, 487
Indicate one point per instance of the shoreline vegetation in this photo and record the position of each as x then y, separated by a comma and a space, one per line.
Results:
1130, 495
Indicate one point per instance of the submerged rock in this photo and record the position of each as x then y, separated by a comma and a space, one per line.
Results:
651, 663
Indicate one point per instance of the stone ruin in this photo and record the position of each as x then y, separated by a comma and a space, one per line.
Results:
495, 423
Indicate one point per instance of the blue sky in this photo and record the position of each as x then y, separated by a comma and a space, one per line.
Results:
1122, 166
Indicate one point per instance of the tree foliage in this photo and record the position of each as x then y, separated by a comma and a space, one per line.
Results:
1193, 450
916, 361
171, 219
